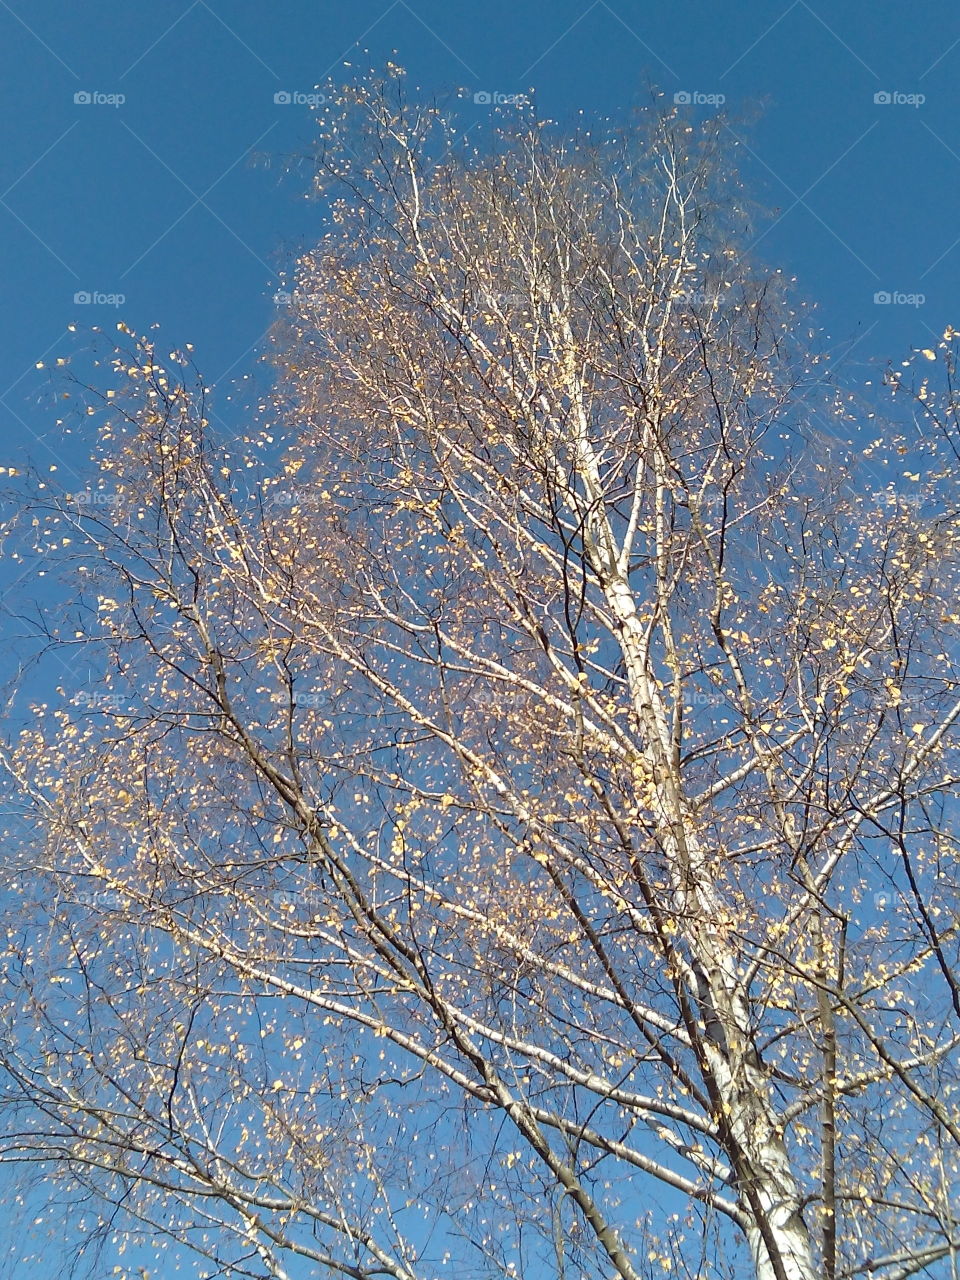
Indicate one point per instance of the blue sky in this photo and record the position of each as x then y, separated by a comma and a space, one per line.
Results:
157, 198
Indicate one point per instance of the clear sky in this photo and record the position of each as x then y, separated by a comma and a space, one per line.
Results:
156, 197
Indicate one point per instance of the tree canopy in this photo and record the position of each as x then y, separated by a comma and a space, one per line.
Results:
511, 827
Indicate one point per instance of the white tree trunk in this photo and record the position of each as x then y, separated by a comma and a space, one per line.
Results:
769, 1191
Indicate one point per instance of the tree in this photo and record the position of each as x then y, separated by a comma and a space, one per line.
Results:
515, 831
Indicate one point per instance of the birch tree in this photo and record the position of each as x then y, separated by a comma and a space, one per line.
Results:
510, 828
